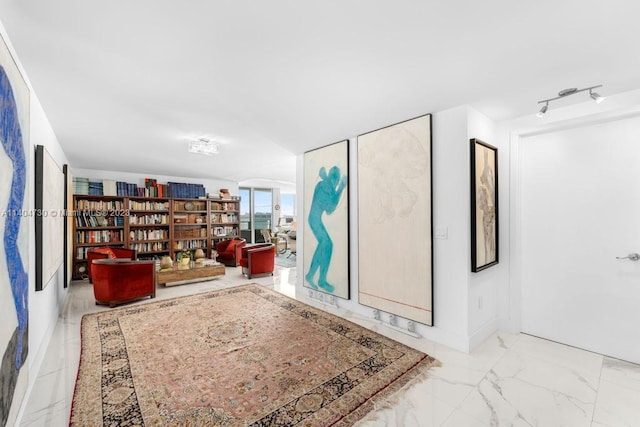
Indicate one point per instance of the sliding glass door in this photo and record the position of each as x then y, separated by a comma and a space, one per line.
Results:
262, 212
256, 213
245, 214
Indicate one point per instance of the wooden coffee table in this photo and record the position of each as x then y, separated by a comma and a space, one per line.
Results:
197, 273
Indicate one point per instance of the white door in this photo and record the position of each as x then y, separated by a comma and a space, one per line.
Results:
580, 195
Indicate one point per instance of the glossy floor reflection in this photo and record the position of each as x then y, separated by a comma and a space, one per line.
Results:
510, 380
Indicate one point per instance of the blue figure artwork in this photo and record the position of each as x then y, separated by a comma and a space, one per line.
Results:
326, 197
15, 353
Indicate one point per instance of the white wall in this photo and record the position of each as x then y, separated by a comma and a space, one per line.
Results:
45, 305
456, 290
484, 285
451, 212
211, 185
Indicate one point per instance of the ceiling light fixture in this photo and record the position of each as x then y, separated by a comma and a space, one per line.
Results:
566, 92
203, 146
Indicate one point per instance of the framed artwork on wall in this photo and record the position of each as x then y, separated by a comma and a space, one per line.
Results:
68, 224
395, 245
484, 205
49, 205
326, 214
14, 227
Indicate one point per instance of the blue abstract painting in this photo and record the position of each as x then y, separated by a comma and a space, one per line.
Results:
326, 215
14, 279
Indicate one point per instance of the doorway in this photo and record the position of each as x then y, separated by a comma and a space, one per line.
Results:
579, 211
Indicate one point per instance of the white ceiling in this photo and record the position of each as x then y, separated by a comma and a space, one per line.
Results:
125, 84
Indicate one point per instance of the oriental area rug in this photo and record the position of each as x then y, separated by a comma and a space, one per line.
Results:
244, 356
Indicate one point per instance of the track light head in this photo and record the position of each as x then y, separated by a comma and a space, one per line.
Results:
543, 110
596, 97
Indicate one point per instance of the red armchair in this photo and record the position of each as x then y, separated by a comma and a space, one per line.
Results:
258, 259
120, 280
107, 253
230, 251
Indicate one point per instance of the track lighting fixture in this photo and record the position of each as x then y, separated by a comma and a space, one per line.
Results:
543, 110
571, 91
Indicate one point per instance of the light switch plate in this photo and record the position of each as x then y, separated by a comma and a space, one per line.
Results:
442, 233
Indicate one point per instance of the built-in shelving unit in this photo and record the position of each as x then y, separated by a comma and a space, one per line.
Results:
98, 221
190, 225
149, 226
152, 226
224, 217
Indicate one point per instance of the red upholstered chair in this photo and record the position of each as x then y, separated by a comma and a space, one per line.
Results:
258, 259
118, 280
229, 251
107, 252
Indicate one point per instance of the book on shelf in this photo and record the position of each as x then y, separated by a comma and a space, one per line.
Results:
189, 233
81, 253
95, 188
149, 219
180, 218
161, 234
147, 205
85, 219
186, 191
181, 245
99, 236
127, 189
109, 187
151, 188
224, 231
98, 205
80, 185
151, 247
224, 206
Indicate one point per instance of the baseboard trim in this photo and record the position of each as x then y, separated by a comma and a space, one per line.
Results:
484, 332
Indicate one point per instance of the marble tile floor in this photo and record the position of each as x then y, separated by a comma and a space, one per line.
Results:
510, 380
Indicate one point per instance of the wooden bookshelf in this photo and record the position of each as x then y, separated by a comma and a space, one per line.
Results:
189, 225
224, 216
149, 221
98, 221
154, 227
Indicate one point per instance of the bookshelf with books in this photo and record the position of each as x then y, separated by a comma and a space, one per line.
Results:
98, 221
149, 223
153, 226
224, 216
190, 225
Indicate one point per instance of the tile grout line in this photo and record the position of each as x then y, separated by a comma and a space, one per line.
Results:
595, 401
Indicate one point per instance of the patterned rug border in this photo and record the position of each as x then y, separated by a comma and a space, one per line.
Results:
384, 397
